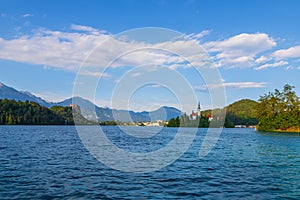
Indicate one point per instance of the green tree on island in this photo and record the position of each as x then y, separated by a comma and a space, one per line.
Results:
185, 121
279, 111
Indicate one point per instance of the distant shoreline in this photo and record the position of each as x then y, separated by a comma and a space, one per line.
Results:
289, 130
73, 125
292, 130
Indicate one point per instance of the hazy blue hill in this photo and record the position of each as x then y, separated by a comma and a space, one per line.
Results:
125, 115
87, 107
13, 94
88, 110
165, 112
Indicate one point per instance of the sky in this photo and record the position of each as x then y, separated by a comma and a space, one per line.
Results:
48, 47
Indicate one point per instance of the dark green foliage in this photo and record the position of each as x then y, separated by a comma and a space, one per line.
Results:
279, 110
65, 112
203, 122
108, 123
239, 113
228, 123
242, 112
30, 113
71, 115
185, 121
174, 122
27, 113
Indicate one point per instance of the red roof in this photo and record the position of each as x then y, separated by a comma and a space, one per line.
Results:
194, 114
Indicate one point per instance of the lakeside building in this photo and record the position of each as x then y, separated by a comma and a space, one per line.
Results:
155, 123
194, 115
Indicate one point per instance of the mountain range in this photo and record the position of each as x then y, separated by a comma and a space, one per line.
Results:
13, 94
91, 111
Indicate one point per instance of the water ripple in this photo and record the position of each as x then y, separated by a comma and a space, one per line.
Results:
50, 162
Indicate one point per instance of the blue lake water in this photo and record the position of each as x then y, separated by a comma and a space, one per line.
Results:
50, 162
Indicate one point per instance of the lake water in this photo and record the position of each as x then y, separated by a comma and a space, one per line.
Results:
50, 162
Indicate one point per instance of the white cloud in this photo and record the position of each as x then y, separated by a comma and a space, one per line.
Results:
292, 52
199, 35
289, 67
240, 50
68, 50
95, 74
262, 59
268, 65
86, 29
51, 48
136, 74
247, 43
155, 86
243, 85
27, 15
232, 85
279, 58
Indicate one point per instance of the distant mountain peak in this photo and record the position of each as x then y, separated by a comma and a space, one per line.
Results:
26, 92
7, 92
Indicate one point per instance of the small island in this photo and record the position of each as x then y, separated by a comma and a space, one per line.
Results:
240, 114
277, 111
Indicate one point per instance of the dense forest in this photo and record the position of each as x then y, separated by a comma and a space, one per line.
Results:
279, 111
200, 122
30, 113
242, 112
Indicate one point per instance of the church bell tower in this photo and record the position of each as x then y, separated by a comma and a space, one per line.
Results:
199, 109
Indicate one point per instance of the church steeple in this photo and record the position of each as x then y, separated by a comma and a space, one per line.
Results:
199, 109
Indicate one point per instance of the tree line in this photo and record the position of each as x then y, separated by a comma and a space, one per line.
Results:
200, 122
31, 113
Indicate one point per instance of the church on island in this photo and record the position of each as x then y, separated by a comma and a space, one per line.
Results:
194, 115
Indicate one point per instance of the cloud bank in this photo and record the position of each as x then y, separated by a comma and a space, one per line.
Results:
232, 85
67, 50
240, 50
